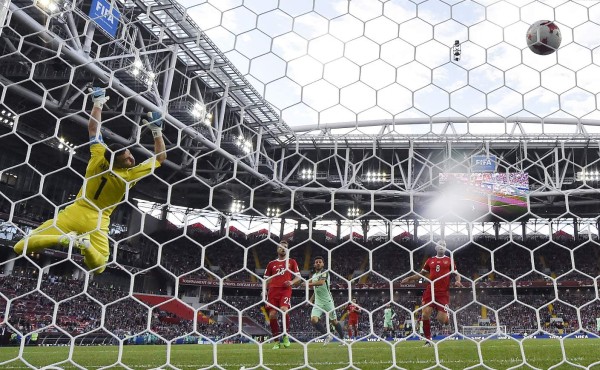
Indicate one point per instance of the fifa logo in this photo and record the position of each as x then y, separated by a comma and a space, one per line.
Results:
105, 12
483, 162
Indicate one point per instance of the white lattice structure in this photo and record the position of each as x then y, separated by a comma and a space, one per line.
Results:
348, 128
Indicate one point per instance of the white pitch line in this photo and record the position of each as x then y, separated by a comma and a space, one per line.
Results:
361, 362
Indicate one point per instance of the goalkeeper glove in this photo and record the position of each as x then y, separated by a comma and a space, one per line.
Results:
154, 123
98, 96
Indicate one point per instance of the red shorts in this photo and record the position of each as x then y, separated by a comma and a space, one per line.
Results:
353, 321
442, 300
279, 297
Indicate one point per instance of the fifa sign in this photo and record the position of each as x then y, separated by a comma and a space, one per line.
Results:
105, 15
483, 163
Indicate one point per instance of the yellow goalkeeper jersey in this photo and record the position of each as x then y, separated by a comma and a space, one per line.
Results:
103, 188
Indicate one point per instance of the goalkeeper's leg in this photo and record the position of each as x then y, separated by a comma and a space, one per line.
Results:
49, 234
95, 254
45, 236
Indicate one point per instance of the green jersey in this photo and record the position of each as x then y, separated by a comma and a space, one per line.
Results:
388, 314
322, 293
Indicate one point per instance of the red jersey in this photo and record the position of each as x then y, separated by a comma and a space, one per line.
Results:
438, 267
353, 311
281, 272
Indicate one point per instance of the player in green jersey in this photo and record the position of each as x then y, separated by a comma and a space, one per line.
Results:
388, 325
323, 300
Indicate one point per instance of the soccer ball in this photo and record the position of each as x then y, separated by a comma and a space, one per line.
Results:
543, 37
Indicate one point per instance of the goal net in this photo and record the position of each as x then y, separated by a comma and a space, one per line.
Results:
155, 154
484, 331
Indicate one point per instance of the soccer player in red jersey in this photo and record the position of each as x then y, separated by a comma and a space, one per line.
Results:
438, 270
353, 312
281, 275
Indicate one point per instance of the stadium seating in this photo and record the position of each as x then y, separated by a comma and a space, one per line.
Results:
79, 313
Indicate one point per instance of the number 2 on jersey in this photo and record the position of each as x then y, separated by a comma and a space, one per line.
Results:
103, 181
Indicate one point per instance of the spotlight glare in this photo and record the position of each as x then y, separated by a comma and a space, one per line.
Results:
273, 212
353, 212
307, 174
141, 73
236, 206
245, 145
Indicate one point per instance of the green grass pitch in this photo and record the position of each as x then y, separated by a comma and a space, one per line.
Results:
496, 354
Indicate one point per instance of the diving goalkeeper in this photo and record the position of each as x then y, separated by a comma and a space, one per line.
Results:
108, 175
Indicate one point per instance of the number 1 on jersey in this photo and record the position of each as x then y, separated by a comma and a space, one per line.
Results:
103, 181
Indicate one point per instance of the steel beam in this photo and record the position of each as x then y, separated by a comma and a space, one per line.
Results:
130, 55
9, 44
168, 78
148, 65
89, 37
431, 194
442, 120
222, 116
56, 43
106, 133
73, 29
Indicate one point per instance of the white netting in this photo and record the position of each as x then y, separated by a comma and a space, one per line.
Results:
349, 128
483, 331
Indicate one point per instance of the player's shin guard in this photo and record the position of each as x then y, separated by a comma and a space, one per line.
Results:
274, 326
320, 328
427, 329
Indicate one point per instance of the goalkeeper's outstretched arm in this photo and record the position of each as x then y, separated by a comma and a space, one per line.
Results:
99, 98
155, 123
94, 122
159, 149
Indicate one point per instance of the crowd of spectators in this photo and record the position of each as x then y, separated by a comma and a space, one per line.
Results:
209, 255
79, 310
385, 260
370, 265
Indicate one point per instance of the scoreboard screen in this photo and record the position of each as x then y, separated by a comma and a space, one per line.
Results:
506, 192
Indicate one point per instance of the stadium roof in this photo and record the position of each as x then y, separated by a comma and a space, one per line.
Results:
324, 62
202, 57
412, 148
